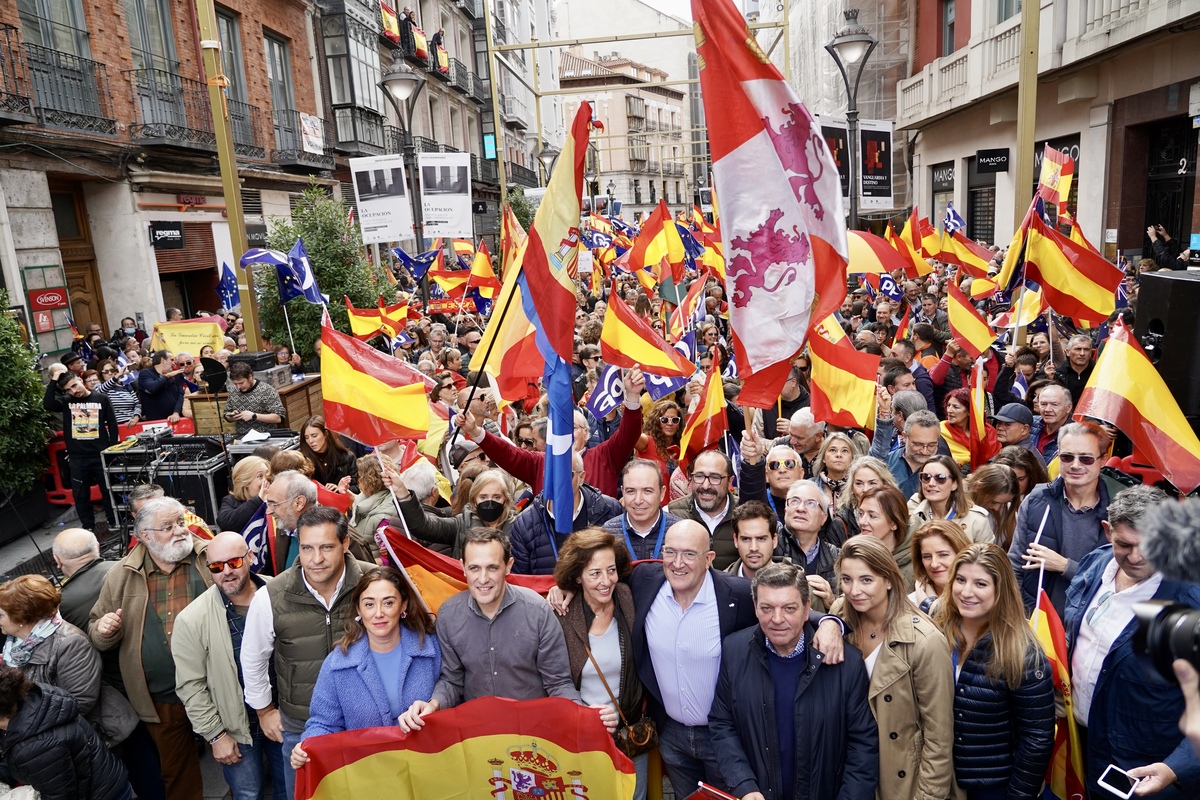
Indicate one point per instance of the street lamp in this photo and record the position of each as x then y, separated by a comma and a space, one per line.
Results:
852, 46
590, 177
402, 85
548, 156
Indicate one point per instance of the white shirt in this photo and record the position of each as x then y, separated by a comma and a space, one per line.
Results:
711, 522
871, 660
685, 651
1107, 615
258, 641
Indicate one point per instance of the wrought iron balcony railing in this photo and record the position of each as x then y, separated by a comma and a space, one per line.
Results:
171, 110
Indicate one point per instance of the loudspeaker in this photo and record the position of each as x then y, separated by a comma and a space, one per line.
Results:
1167, 324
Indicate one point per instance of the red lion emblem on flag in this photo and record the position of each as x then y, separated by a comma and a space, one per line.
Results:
767, 246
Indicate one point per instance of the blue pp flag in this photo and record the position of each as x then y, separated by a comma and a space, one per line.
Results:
255, 533
658, 387
596, 240
227, 288
259, 255
1020, 386
608, 394
889, 288
953, 221
296, 278
560, 435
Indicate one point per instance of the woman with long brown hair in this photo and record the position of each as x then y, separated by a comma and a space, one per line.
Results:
908, 663
1004, 700
882, 513
956, 429
994, 488
662, 430
942, 495
866, 473
387, 659
1025, 466
332, 461
934, 548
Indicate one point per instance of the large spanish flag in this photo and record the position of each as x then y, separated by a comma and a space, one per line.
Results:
843, 379
872, 255
659, 239
1076, 281
508, 350
627, 340
915, 265
958, 249
370, 396
453, 281
1126, 390
482, 275
1064, 776
491, 747
512, 236
709, 423
970, 330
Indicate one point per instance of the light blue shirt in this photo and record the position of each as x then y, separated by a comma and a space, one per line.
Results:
685, 650
389, 665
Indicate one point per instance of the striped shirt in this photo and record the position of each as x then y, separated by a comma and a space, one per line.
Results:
124, 399
685, 650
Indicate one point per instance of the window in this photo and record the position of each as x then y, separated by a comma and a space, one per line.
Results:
279, 72
653, 193
352, 58
1008, 9
231, 54
150, 36
637, 191
947, 27
55, 24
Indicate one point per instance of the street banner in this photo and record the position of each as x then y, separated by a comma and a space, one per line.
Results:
875, 163
549, 749
384, 208
446, 194
187, 337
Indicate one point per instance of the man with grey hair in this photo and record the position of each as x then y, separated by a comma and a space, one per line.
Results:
77, 555
1107, 679
1077, 369
1075, 508
805, 436
921, 440
136, 612
775, 665
138, 496
1054, 405
288, 496
891, 411
810, 538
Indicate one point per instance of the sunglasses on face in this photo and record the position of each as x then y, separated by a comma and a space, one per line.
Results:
669, 420
787, 463
940, 480
1069, 458
526, 442
217, 567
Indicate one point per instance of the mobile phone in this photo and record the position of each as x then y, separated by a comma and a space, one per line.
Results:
1118, 781
230, 414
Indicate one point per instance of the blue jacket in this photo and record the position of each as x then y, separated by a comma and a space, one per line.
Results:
161, 396
1134, 717
349, 693
1003, 737
1035, 433
836, 750
1029, 517
534, 550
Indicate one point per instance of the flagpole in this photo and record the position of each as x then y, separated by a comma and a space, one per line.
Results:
1050, 332
1042, 569
288, 321
462, 301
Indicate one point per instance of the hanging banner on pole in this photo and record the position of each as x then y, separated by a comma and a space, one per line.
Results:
836, 136
875, 163
384, 208
446, 194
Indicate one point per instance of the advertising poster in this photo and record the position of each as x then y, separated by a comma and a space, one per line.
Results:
446, 194
875, 161
833, 130
384, 208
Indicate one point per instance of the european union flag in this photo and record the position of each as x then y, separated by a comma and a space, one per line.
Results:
227, 288
296, 278
416, 266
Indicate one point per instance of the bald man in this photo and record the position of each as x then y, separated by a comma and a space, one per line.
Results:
77, 554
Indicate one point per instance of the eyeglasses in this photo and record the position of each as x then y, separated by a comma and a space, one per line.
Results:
108, 372
217, 567
170, 526
1100, 607
526, 442
474, 341
787, 463
940, 480
924, 447
273, 504
688, 556
705, 477
802, 502
184, 363
669, 420
1069, 458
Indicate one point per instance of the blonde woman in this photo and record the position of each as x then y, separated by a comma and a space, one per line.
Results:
831, 467
911, 689
866, 473
250, 482
934, 548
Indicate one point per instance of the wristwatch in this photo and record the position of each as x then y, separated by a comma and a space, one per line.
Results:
216, 738
255, 416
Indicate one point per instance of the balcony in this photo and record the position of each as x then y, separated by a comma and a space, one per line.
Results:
16, 105
499, 31
652, 166
472, 8
172, 111
480, 91
435, 70
460, 76
483, 170
522, 176
397, 139
301, 140
426, 145
69, 91
358, 132
246, 121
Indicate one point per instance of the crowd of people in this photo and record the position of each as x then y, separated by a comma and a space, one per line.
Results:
819, 612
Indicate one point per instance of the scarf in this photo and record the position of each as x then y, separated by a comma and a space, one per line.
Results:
17, 652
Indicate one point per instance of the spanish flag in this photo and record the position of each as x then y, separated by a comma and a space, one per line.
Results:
1076, 281
464, 250
491, 747
687, 310
392, 319
713, 257
365, 323
970, 330
1024, 311
983, 444
391, 23
453, 281
627, 340
368, 395
659, 239
871, 255
904, 326
1058, 172
958, 249
1065, 775
1126, 390
914, 265
921, 236
512, 355
709, 422
483, 277
512, 236
843, 379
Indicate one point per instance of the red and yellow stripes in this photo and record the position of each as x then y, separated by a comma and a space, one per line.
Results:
659, 239
872, 255
1076, 281
843, 379
709, 422
958, 249
627, 340
970, 330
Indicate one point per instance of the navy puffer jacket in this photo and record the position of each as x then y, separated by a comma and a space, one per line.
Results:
535, 546
51, 747
1002, 736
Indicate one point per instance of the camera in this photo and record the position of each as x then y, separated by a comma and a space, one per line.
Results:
1166, 632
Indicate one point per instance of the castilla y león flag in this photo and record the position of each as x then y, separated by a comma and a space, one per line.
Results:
549, 749
782, 223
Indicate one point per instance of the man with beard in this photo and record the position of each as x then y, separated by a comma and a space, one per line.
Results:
920, 444
136, 612
710, 502
208, 671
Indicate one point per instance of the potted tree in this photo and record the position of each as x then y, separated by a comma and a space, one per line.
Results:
24, 431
